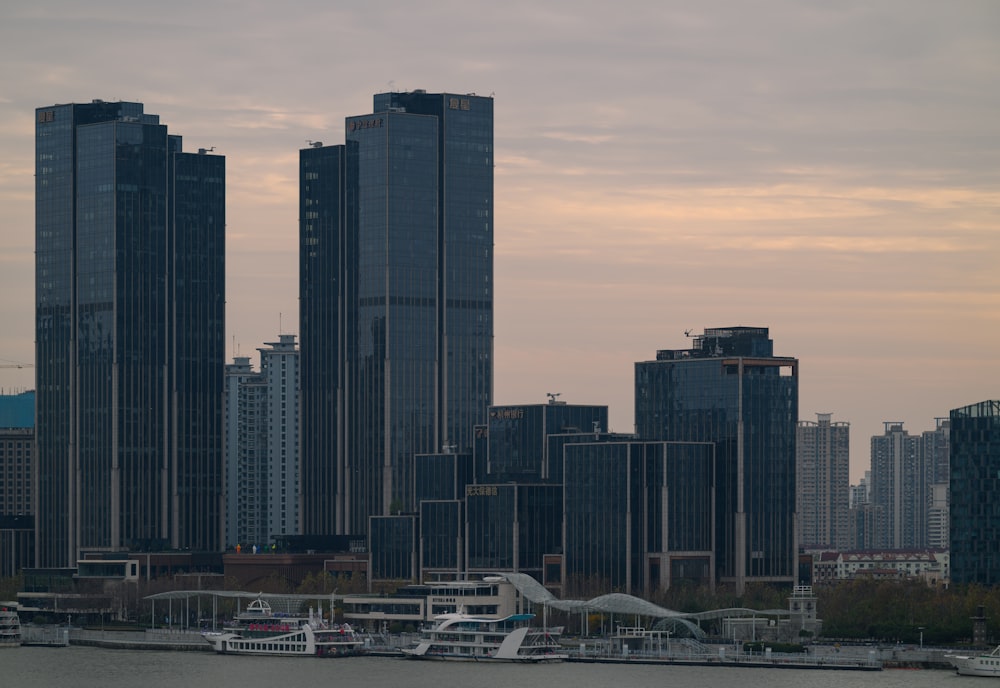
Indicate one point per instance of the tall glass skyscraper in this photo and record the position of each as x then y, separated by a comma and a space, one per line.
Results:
130, 304
396, 242
730, 389
975, 491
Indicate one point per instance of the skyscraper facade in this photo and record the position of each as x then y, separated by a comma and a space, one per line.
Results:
130, 303
730, 389
822, 474
396, 299
975, 491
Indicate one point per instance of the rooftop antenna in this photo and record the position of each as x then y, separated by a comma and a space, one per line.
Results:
687, 333
279, 323
553, 396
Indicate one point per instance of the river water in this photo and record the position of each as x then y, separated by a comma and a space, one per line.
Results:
86, 667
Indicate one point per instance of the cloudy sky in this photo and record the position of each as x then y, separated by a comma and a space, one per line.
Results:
826, 169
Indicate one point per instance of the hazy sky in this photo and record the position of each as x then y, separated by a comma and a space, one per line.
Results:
826, 169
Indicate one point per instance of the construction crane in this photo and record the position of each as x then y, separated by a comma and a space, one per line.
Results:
15, 364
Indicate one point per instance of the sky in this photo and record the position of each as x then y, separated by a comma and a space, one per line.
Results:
830, 170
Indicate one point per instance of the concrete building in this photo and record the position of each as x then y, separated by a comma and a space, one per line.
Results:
262, 446
822, 475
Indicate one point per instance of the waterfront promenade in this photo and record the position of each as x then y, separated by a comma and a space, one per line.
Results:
826, 656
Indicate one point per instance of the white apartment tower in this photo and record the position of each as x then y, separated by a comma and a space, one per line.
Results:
823, 482
262, 446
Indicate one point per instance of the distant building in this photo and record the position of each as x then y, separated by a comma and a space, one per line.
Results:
936, 450
909, 489
975, 492
933, 566
262, 446
730, 389
898, 489
396, 298
822, 475
17, 508
129, 315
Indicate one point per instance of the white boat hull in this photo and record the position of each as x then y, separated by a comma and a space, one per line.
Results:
977, 665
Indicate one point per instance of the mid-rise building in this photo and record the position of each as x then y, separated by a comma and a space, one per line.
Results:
975, 492
396, 297
17, 508
637, 515
130, 306
729, 389
822, 474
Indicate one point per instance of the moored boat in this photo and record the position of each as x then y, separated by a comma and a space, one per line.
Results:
460, 637
10, 628
986, 664
259, 631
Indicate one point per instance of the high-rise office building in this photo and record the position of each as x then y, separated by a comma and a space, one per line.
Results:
396, 251
130, 304
822, 474
262, 446
975, 491
730, 389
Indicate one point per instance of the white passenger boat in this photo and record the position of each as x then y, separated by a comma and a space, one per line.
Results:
10, 628
259, 631
987, 664
460, 637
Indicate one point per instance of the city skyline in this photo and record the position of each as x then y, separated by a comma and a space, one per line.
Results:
826, 172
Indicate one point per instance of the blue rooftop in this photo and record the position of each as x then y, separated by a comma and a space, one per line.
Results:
17, 410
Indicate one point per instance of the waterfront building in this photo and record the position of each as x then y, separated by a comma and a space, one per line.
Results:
975, 491
927, 564
510, 527
638, 516
262, 446
518, 447
130, 305
729, 389
396, 255
822, 475
17, 509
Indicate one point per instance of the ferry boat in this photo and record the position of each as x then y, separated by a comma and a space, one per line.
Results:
259, 631
987, 664
10, 628
460, 637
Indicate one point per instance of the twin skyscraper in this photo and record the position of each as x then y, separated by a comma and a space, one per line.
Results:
396, 320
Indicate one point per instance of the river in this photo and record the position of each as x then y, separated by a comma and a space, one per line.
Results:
87, 667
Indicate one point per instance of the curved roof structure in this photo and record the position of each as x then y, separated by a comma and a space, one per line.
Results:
620, 603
